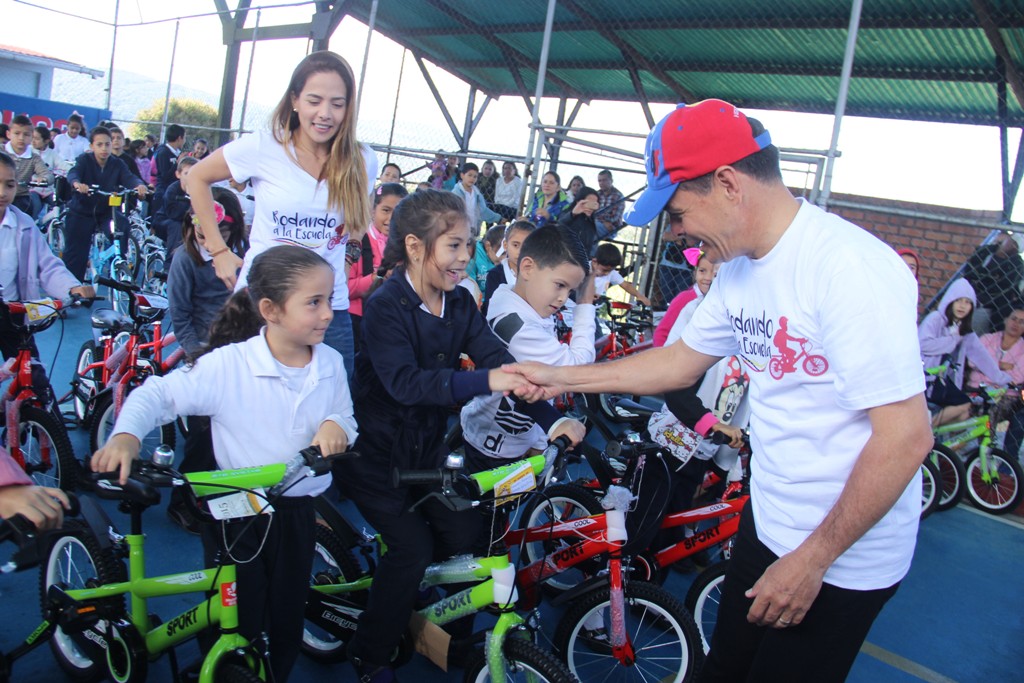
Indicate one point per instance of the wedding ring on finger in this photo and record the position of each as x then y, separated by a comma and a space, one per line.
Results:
783, 622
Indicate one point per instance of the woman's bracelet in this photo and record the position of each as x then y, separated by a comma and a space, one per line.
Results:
215, 254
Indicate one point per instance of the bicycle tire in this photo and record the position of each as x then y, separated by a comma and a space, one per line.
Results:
76, 556
88, 381
56, 238
524, 661
341, 567
703, 599
543, 509
152, 283
1005, 495
103, 423
952, 474
931, 488
234, 672
655, 622
39, 429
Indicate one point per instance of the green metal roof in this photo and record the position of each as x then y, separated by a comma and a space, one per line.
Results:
929, 60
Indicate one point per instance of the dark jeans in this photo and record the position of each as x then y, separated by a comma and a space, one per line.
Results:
1015, 435
414, 540
821, 649
663, 490
78, 231
198, 456
268, 586
339, 337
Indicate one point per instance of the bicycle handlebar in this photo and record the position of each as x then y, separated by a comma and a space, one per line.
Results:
32, 544
126, 287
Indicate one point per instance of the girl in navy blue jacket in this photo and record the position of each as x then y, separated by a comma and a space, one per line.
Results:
407, 377
87, 212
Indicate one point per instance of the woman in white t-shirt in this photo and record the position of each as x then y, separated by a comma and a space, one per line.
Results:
310, 177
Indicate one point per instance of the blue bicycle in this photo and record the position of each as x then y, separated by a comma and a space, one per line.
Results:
106, 259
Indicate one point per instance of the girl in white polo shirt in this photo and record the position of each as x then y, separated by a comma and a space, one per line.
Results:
286, 390
311, 179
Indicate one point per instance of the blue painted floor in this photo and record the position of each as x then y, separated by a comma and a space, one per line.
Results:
957, 616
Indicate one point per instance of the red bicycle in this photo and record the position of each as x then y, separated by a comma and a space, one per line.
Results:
107, 372
33, 433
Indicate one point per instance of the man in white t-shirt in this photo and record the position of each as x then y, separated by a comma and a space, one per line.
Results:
839, 426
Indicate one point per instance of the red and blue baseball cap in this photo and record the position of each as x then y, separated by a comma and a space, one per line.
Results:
693, 140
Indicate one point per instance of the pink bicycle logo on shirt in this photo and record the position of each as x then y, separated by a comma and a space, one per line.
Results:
813, 364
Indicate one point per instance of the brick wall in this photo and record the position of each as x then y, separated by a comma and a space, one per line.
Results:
943, 246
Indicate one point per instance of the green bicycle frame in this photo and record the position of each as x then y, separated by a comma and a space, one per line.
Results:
221, 608
980, 428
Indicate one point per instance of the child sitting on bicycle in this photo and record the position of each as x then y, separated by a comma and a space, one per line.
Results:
605, 264
551, 263
289, 391
407, 377
195, 297
947, 338
36, 271
505, 272
174, 207
88, 213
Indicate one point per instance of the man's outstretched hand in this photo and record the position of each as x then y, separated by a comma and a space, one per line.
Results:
541, 382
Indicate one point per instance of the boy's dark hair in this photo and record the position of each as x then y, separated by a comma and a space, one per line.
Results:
186, 161
494, 235
98, 131
21, 120
608, 255
389, 190
150, 137
174, 133
762, 166
391, 165
114, 129
604, 171
7, 161
470, 166
425, 214
519, 226
553, 245
274, 275
236, 240
966, 325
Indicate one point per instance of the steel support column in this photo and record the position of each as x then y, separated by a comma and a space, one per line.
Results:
437, 98
536, 136
230, 26
844, 89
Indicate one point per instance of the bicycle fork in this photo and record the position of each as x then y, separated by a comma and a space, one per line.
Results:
622, 648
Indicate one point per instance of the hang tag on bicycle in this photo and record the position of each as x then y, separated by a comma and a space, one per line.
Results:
114, 200
516, 482
39, 310
239, 505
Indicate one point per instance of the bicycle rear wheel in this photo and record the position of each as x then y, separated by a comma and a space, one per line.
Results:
703, 600
951, 475
931, 488
103, 424
49, 457
553, 505
1004, 489
524, 661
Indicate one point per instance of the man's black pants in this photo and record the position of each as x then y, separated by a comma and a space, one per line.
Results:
821, 648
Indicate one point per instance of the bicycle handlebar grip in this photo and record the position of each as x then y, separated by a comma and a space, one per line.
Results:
400, 478
562, 443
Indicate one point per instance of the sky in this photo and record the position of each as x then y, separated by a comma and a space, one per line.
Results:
943, 164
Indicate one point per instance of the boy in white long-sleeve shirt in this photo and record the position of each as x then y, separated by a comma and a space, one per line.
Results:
552, 263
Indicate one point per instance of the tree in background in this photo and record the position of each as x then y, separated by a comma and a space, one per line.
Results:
185, 112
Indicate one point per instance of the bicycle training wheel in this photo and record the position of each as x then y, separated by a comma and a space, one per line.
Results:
952, 476
1004, 489
76, 561
524, 661
553, 505
703, 599
326, 634
931, 488
49, 457
665, 642
103, 424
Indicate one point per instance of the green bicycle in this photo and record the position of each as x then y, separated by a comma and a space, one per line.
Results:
993, 479
337, 597
83, 580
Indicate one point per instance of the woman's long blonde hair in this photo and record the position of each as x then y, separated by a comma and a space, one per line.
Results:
348, 188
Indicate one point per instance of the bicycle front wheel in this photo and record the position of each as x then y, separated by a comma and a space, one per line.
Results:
996, 486
524, 661
49, 457
554, 505
332, 564
76, 561
666, 643
931, 488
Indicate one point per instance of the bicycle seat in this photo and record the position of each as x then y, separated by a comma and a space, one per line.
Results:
110, 321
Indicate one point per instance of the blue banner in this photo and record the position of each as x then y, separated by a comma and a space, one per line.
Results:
47, 112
